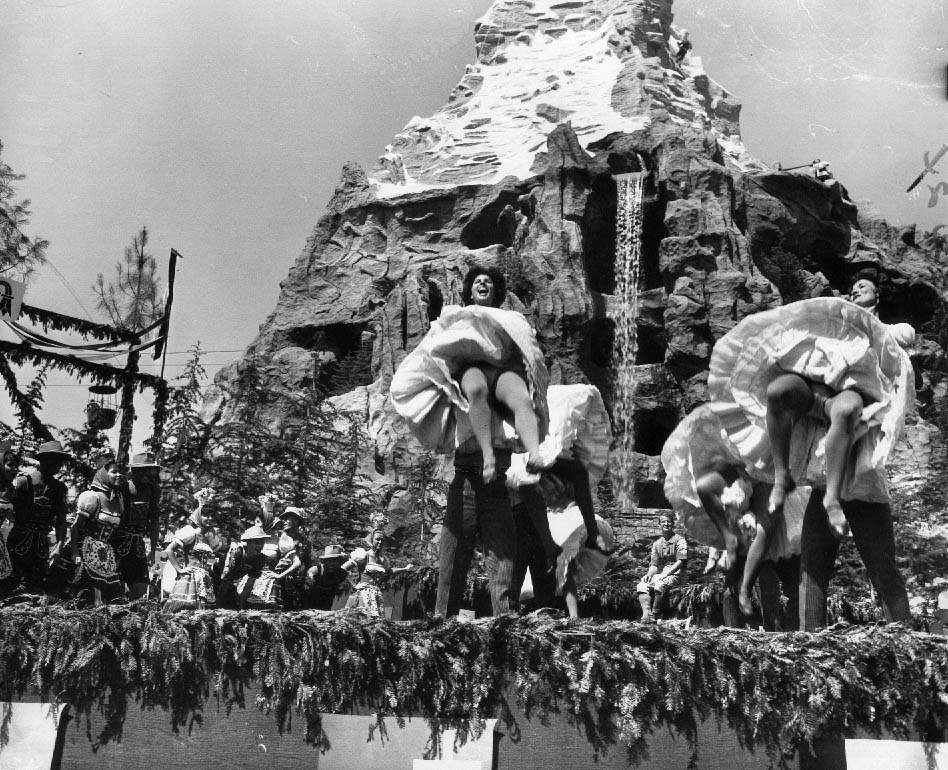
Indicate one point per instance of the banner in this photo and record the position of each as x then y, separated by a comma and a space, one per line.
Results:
169, 297
11, 298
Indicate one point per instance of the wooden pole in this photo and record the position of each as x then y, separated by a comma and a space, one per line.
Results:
128, 407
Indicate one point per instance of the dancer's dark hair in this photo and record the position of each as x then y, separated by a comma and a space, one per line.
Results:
496, 277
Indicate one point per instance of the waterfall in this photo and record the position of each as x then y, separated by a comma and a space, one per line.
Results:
625, 313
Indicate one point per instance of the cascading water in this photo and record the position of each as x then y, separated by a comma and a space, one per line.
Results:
625, 311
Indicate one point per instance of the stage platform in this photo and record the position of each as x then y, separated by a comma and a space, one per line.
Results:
137, 689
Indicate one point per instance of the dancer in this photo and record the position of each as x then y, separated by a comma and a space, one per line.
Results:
719, 504
476, 358
579, 437
779, 377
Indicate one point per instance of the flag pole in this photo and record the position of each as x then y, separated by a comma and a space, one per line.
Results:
166, 323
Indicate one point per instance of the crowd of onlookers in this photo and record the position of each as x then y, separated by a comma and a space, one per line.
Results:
113, 545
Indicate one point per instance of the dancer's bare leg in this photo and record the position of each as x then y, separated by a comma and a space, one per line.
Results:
576, 474
710, 487
474, 387
789, 397
511, 391
844, 409
766, 523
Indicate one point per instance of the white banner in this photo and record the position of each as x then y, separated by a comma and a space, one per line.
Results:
11, 298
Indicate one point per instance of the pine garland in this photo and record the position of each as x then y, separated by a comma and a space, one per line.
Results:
64, 323
23, 354
620, 680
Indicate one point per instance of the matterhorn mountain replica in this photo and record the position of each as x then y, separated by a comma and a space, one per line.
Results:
527, 167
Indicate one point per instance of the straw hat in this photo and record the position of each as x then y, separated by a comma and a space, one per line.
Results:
144, 460
254, 533
52, 449
292, 510
333, 552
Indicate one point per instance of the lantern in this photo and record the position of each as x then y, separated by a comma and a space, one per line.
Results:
102, 408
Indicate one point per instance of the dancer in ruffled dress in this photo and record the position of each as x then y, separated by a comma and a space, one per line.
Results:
579, 437
814, 392
475, 358
717, 501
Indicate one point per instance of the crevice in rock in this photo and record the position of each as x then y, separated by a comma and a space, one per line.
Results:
435, 301
598, 228
493, 224
350, 363
652, 428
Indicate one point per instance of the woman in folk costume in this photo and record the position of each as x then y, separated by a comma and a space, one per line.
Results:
815, 392
9, 468
100, 511
194, 589
577, 452
475, 358
259, 587
246, 564
716, 500
179, 576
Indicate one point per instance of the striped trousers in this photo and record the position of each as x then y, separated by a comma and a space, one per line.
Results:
871, 526
473, 508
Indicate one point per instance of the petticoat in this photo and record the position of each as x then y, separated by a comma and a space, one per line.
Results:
829, 341
424, 390
700, 442
579, 429
569, 532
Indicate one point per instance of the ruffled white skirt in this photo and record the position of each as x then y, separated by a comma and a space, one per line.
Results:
579, 429
828, 341
425, 390
698, 444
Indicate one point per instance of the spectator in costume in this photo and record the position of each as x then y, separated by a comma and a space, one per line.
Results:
100, 511
667, 570
327, 580
178, 551
39, 506
9, 468
293, 540
140, 520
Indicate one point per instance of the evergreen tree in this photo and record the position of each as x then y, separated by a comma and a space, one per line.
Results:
131, 300
18, 252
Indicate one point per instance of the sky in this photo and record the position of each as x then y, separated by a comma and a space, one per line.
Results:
223, 126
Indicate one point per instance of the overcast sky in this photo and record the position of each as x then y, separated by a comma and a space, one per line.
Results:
223, 126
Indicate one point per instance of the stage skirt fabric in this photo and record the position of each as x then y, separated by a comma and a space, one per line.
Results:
830, 342
425, 390
700, 443
569, 532
579, 429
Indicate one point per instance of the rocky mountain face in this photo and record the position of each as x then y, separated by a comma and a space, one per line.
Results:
518, 170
